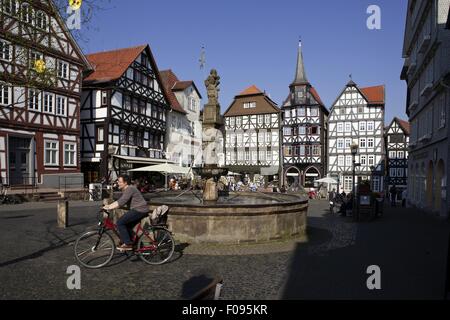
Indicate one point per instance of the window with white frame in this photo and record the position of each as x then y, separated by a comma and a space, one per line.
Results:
247, 155
302, 130
370, 126
249, 105
240, 156
70, 150
341, 161
268, 137
340, 127
348, 143
376, 183
35, 56
340, 143
348, 127
348, 183
287, 114
261, 137
393, 172
61, 106
392, 155
262, 156
41, 20
104, 98
287, 131
362, 142
293, 113
314, 112
348, 161
301, 111
63, 70
33, 100
9, 7
316, 150
362, 126
371, 160
400, 172
363, 160
238, 121
401, 154
48, 103
51, 153
26, 13
260, 120
370, 142
232, 122
5, 50
5, 95
267, 119
240, 138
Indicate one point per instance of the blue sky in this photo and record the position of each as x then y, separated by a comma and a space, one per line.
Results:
255, 42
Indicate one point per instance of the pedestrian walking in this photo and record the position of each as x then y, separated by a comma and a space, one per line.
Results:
393, 192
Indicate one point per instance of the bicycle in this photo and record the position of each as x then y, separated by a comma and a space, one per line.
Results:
4, 198
95, 249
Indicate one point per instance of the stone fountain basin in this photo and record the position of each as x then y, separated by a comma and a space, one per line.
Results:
235, 219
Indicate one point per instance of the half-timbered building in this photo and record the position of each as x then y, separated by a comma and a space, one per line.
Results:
123, 113
252, 135
184, 130
357, 117
304, 131
397, 147
41, 70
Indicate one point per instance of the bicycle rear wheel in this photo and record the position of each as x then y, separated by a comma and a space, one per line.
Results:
94, 250
156, 246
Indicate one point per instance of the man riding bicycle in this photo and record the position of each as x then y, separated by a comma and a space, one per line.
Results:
138, 210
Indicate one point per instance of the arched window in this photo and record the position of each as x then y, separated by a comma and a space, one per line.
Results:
26, 13
41, 20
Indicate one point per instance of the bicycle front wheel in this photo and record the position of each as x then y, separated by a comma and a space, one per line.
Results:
156, 246
94, 250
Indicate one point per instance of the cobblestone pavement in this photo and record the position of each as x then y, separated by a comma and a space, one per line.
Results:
330, 264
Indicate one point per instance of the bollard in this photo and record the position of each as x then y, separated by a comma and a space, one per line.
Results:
63, 213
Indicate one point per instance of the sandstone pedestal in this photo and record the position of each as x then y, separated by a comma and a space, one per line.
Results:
63, 214
211, 193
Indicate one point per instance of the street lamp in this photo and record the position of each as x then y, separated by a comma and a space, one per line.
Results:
354, 150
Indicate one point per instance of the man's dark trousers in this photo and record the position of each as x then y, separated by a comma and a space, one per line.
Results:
127, 222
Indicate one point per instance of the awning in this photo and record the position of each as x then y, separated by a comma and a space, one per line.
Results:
141, 160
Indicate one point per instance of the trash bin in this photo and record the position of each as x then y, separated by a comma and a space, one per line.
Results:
95, 191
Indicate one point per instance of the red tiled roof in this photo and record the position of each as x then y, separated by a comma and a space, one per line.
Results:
169, 79
264, 104
316, 95
250, 91
404, 125
111, 65
375, 95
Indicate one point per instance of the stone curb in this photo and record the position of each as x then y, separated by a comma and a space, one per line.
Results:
242, 249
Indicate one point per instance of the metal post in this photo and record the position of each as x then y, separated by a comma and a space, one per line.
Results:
355, 216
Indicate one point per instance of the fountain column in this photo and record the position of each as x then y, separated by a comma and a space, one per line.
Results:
211, 142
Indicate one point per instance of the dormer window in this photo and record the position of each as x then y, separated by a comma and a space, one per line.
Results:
41, 20
249, 105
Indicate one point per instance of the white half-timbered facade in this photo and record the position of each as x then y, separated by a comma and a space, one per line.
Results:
41, 70
184, 129
397, 152
304, 131
357, 117
252, 135
123, 113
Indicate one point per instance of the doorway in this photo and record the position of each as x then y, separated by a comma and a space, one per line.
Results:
20, 161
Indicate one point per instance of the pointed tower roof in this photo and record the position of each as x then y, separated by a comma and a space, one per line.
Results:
300, 75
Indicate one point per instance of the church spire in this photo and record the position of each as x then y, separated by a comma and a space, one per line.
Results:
300, 75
